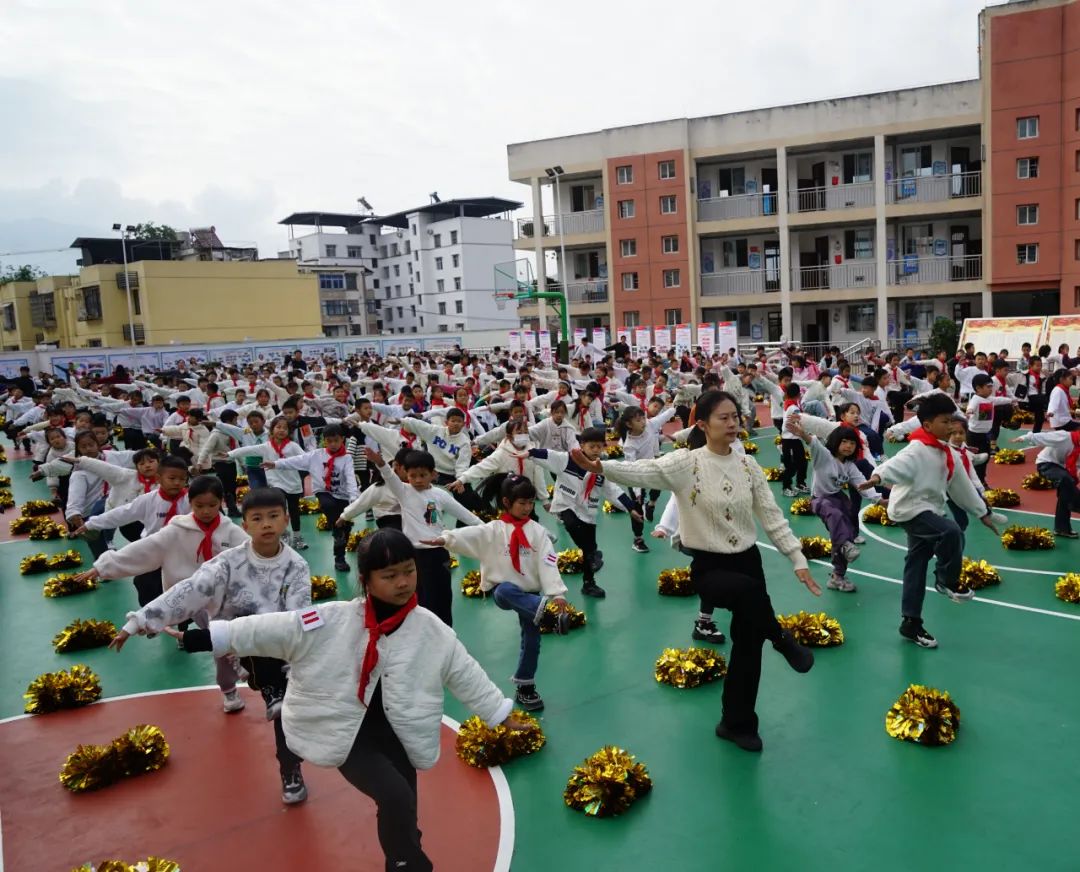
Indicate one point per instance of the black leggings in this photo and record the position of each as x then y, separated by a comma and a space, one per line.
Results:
392, 522
225, 470
378, 767
584, 536
293, 501
148, 586
736, 582
332, 507
638, 496
433, 582
794, 458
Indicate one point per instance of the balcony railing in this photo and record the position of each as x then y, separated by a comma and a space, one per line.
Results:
584, 292
934, 270
853, 274
859, 195
742, 281
738, 206
934, 189
591, 221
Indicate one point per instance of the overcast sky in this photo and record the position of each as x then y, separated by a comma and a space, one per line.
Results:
236, 113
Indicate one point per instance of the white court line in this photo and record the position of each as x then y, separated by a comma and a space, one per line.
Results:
505, 851
977, 599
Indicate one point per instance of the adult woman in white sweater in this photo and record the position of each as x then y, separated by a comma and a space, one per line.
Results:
719, 494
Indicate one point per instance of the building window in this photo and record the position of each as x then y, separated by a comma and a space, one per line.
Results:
628, 247
453, 237
438, 240
858, 244
455, 260
629, 281
666, 169
444, 328
459, 307
401, 311
412, 311
91, 300
442, 308
409, 265
397, 270
457, 283
860, 319
916, 160
1076, 249
331, 251
414, 230
734, 254
353, 250
397, 290
624, 175
9, 316
919, 315
416, 254
135, 303
858, 167
672, 316
671, 278
732, 180
1027, 253
670, 244
389, 313
438, 263
1076, 296
335, 308
961, 312
631, 319
1027, 168
460, 325
331, 281
371, 238
440, 285
1027, 214
408, 249
626, 208
668, 205
1028, 127
388, 292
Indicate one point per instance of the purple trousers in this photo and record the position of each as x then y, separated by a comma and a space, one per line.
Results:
835, 512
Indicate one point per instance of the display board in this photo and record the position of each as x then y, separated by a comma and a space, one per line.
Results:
1061, 329
994, 334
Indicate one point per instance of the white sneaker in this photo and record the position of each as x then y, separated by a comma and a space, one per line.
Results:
999, 518
298, 543
979, 459
840, 582
232, 701
859, 540
850, 551
803, 489
790, 492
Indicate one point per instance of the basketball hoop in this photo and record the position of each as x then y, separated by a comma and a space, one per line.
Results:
502, 298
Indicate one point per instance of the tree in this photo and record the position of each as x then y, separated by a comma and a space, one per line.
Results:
152, 231
944, 336
24, 273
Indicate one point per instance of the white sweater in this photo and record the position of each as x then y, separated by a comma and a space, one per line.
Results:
287, 480
422, 510
505, 458
490, 544
172, 549
719, 497
150, 510
918, 476
322, 714
1056, 446
452, 453
378, 499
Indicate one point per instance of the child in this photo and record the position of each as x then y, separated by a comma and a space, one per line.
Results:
922, 476
422, 507
263, 575
791, 447
519, 565
255, 434
334, 481
981, 410
640, 435
377, 499
190, 435
215, 449
576, 500
510, 456
376, 716
124, 484
1058, 462
177, 551
86, 494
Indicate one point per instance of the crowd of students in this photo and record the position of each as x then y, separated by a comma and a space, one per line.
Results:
427, 446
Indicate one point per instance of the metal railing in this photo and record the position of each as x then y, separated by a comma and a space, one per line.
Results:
852, 274
854, 196
933, 189
742, 281
932, 270
584, 292
738, 206
590, 221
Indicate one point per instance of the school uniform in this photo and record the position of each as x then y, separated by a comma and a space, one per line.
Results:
334, 483
1057, 461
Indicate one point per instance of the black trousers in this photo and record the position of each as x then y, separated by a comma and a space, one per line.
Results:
1068, 497
225, 470
293, 502
584, 536
896, 400
469, 498
981, 443
378, 767
1036, 404
736, 582
392, 522
332, 507
793, 455
148, 586
132, 531
134, 438
1002, 416
433, 583
639, 497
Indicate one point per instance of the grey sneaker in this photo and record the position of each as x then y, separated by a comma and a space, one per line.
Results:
293, 789
859, 540
840, 582
802, 488
298, 543
790, 492
232, 701
957, 596
850, 551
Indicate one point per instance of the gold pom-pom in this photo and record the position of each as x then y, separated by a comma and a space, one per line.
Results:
454, 562
5, 481
609, 507
689, 667
977, 574
680, 443
551, 491
82, 635
44, 529
21, 525
815, 630
150, 864
482, 746
241, 480
607, 783
750, 447
801, 506
547, 620
1002, 498
571, 561
1035, 481
816, 547
37, 508
66, 560
773, 473
322, 523
242, 492
924, 715
1067, 587
877, 514
759, 398
613, 451
744, 435
68, 688
1019, 538
64, 584
309, 506
1009, 456
355, 538
674, 582
777, 439
89, 767
1020, 417
32, 563
323, 587
470, 584
6, 500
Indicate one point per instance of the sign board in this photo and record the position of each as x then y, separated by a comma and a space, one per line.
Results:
190, 357
706, 338
138, 362
599, 337
684, 339
755, 332
662, 340
528, 341
727, 336
9, 366
80, 365
642, 339
514, 342
370, 347
994, 334
545, 347
1059, 329
237, 357
579, 334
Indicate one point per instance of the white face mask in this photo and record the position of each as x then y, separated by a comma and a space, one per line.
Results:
521, 441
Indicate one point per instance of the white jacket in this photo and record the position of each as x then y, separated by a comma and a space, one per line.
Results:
490, 544
920, 483
322, 714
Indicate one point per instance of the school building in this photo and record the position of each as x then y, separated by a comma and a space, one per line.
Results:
832, 221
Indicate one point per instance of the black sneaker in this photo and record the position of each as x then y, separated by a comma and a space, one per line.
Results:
913, 630
746, 741
707, 631
640, 547
650, 511
597, 561
528, 699
591, 588
341, 564
273, 697
799, 657
293, 789
1067, 534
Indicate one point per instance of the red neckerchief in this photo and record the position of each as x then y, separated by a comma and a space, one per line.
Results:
309, 396
641, 401
251, 387
232, 443
465, 411
1074, 455
173, 504
590, 483
377, 629
788, 403
964, 457
925, 438
858, 441
1038, 381
147, 483
581, 413
894, 375
279, 447
331, 458
1001, 391
206, 547
191, 435
212, 397
439, 402
517, 538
